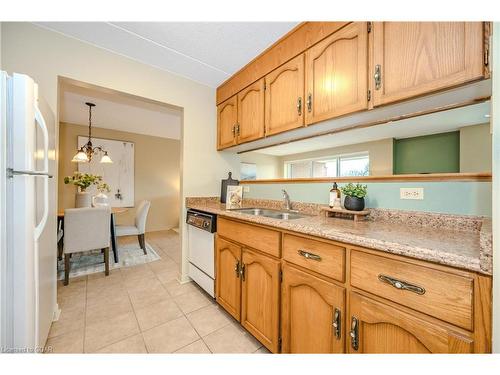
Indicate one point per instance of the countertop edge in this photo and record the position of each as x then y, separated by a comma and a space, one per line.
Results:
452, 260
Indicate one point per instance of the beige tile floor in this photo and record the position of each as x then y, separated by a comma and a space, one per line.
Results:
144, 309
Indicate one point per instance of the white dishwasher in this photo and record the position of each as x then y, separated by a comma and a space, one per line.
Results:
201, 245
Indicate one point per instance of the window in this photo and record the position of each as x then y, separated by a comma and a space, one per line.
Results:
355, 166
335, 166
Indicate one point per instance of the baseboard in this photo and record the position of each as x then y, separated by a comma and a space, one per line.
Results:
183, 279
57, 313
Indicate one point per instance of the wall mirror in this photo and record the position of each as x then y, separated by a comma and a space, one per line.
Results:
451, 144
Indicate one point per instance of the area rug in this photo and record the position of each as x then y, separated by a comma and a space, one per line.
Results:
93, 261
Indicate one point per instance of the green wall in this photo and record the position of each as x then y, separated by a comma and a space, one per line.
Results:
437, 153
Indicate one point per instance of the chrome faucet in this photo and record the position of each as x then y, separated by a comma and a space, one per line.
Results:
286, 200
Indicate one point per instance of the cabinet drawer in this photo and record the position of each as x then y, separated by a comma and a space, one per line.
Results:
324, 258
441, 294
263, 239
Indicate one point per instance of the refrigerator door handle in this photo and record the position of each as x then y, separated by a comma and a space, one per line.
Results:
11, 173
43, 126
41, 225
44, 174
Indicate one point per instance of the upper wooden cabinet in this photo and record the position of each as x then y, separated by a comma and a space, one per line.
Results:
285, 97
324, 70
228, 282
312, 314
227, 117
260, 296
251, 113
415, 58
337, 74
375, 327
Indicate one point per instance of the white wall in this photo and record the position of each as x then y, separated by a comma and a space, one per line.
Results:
45, 55
268, 166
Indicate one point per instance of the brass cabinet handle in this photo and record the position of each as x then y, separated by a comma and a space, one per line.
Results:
377, 76
354, 333
237, 269
234, 130
242, 271
299, 106
238, 129
309, 102
308, 255
336, 323
403, 285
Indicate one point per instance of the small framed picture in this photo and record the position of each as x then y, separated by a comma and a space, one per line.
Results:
234, 197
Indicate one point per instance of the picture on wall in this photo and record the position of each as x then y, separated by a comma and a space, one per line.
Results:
119, 175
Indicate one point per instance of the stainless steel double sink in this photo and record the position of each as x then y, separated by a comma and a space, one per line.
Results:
274, 214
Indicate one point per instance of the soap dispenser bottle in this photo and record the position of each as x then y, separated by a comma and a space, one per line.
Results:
334, 196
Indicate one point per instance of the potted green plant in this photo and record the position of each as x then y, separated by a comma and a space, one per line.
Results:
83, 181
354, 196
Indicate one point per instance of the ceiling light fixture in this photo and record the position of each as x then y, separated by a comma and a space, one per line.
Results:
85, 153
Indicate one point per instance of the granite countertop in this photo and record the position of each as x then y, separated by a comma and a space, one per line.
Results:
452, 240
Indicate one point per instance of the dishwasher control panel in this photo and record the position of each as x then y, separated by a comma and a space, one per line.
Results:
202, 220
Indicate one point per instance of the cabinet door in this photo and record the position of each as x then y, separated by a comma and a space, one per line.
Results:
379, 328
228, 284
251, 112
414, 58
310, 308
260, 297
337, 74
285, 97
227, 117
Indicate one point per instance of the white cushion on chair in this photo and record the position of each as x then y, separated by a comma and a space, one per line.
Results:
141, 216
86, 229
126, 230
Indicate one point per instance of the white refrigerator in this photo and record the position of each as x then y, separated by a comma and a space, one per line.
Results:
28, 220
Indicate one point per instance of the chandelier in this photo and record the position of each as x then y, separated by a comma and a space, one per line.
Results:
85, 153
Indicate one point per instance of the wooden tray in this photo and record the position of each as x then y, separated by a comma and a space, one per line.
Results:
343, 213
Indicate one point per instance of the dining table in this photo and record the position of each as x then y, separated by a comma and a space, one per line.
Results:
114, 210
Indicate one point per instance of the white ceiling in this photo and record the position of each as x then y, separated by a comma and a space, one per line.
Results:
435, 123
119, 112
206, 52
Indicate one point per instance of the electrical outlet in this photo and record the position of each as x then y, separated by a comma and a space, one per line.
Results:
411, 193
246, 189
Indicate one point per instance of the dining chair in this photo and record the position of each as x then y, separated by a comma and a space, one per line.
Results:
86, 229
140, 225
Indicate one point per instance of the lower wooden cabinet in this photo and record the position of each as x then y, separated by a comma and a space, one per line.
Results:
228, 285
248, 288
376, 327
312, 314
260, 296
345, 304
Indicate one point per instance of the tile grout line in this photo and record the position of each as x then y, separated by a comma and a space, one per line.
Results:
194, 328
168, 258
182, 312
128, 336
136, 320
85, 313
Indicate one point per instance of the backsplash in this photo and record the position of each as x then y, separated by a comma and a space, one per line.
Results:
462, 198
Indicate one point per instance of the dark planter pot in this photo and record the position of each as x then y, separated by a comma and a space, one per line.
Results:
354, 203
